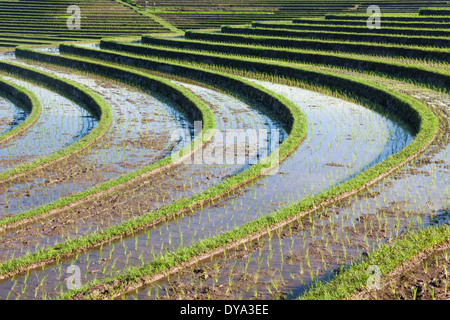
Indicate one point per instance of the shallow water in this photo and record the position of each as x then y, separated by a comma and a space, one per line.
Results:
343, 139
140, 134
62, 123
10, 115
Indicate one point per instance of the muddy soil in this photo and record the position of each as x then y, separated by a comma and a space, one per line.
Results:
10, 115
427, 280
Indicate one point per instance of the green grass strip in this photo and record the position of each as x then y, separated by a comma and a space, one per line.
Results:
434, 12
413, 111
73, 91
417, 74
216, 12
440, 42
154, 17
23, 99
408, 17
435, 32
387, 258
423, 53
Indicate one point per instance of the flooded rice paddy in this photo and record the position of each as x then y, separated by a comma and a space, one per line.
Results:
10, 115
148, 194
61, 123
316, 247
343, 139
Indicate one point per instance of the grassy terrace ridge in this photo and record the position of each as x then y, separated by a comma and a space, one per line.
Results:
214, 12
434, 12
388, 258
387, 17
234, 54
195, 107
289, 114
90, 24
285, 70
65, 32
168, 263
363, 23
392, 50
73, 91
435, 32
23, 99
32, 37
352, 36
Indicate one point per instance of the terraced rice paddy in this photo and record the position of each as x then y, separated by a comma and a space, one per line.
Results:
61, 124
45, 22
133, 159
10, 115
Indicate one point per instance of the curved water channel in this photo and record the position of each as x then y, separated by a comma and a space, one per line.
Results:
10, 115
343, 139
62, 123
